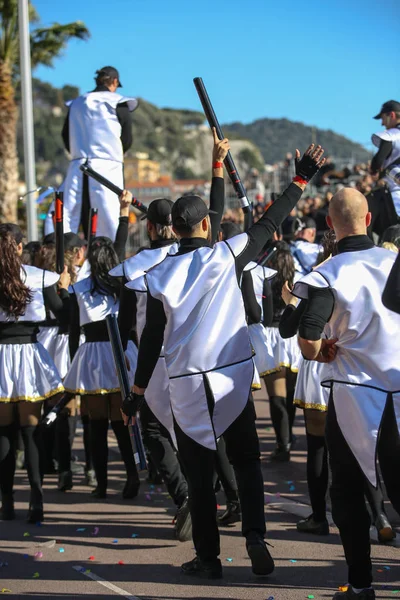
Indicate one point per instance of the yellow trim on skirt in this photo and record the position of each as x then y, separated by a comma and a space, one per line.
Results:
301, 404
99, 392
34, 398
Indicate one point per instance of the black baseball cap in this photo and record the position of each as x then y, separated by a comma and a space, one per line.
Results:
159, 212
72, 240
387, 107
189, 210
14, 229
110, 72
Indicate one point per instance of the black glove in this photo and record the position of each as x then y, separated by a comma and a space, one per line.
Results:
132, 404
309, 163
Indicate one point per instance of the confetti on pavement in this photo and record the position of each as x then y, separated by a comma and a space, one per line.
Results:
36, 575
61, 550
293, 561
27, 534
229, 559
115, 541
81, 529
91, 558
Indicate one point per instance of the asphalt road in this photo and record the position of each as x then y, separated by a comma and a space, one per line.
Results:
115, 548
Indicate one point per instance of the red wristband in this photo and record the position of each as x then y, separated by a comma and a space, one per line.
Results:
218, 165
299, 179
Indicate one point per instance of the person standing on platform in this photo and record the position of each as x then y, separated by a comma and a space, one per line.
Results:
384, 203
363, 376
98, 128
195, 307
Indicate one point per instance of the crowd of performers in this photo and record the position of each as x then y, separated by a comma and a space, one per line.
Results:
206, 312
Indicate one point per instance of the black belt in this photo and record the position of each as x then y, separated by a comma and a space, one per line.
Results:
18, 333
96, 332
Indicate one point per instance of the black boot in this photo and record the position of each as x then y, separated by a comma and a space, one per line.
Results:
281, 453
99, 453
280, 422
233, 514
310, 525
203, 569
132, 485
32, 442
63, 453
262, 562
7, 469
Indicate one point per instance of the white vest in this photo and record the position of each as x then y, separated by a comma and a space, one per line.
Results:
36, 280
93, 307
94, 129
135, 267
305, 255
206, 336
367, 365
391, 135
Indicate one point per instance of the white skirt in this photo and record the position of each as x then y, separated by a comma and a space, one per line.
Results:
27, 373
264, 358
57, 345
93, 369
285, 352
309, 392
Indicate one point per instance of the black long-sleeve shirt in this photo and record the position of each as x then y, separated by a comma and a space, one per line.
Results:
123, 116
258, 235
321, 301
391, 293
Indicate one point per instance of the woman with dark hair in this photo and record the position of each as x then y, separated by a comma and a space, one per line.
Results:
92, 374
283, 355
27, 373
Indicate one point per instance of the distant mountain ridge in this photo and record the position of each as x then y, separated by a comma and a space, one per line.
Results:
276, 137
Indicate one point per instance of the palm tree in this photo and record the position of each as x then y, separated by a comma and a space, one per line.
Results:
46, 44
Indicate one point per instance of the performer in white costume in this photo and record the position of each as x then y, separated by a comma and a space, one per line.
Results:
155, 414
195, 307
303, 248
385, 202
27, 375
344, 301
92, 373
283, 355
97, 129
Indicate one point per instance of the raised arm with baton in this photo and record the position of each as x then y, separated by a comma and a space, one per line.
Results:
229, 163
59, 231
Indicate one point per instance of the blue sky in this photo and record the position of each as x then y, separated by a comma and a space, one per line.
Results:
329, 64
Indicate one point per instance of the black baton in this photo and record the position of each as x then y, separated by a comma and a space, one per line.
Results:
122, 373
111, 186
59, 231
92, 229
229, 164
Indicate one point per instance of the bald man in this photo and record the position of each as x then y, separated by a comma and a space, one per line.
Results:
362, 371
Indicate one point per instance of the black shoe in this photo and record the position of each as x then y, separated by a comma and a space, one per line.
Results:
280, 454
202, 569
309, 525
384, 529
350, 595
233, 514
65, 481
183, 523
262, 562
99, 492
7, 512
35, 515
91, 480
131, 488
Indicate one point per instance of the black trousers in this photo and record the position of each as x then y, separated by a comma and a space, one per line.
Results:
349, 510
159, 445
243, 450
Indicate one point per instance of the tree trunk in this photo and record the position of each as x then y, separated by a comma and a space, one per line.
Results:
8, 147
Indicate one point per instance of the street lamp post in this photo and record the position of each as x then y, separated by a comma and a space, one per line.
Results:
27, 116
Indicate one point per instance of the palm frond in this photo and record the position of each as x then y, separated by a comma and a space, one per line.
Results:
48, 42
